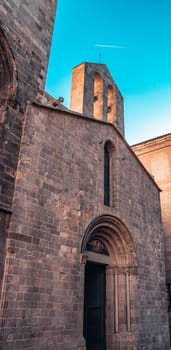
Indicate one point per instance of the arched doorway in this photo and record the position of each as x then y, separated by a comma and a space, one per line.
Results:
110, 264
94, 306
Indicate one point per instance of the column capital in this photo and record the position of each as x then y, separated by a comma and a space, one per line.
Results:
83, 258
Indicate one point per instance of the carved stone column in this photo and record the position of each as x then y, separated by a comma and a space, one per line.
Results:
128, 300
81, 343
116, 303
121, 273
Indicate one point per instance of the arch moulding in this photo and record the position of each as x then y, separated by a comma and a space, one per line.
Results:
113, 233
8, 72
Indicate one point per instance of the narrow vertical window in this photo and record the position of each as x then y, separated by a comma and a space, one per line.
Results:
106, 175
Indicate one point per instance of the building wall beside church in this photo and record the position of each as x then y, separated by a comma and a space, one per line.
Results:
155, 155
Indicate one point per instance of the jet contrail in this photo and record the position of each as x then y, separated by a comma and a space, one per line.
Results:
111, 46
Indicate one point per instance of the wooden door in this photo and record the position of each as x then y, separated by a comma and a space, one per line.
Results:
94, 306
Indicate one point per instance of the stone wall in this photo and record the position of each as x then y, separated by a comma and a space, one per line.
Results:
25, 39
58, 193
28, 29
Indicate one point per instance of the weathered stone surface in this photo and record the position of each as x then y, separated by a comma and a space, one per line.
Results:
28, 30
25, 37
59, 190
52, 203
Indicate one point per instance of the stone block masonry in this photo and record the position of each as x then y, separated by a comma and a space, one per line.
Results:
28, 30
25, 39
56, 168
58, 192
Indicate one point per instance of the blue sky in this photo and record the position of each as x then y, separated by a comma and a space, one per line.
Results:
141, 67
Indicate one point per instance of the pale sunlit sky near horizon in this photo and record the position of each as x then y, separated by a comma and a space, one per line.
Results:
140, 64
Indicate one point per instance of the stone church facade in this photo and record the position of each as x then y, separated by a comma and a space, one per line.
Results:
82, 263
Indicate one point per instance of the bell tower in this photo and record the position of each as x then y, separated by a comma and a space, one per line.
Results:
95, 94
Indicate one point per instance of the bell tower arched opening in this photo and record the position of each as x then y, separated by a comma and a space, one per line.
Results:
98, 97
111, 105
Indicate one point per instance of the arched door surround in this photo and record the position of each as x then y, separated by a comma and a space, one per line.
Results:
108, 242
